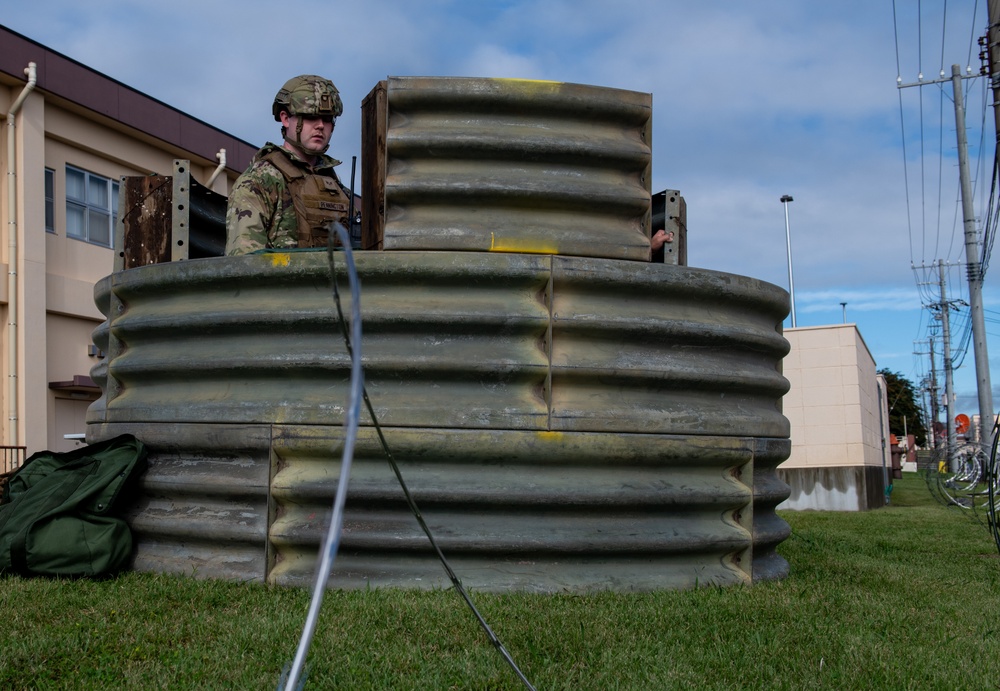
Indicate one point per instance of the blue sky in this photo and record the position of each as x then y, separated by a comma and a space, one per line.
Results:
751, 101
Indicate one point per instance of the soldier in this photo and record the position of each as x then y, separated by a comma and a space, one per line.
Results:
290, 193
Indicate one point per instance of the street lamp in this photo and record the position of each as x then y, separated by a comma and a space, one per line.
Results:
843, 306
788, 243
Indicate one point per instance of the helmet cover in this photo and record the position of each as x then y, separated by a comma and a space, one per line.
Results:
308, 95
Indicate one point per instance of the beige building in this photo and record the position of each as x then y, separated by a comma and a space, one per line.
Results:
840, 428
70, 133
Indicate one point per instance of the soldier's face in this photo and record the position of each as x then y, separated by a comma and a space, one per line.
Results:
316, 131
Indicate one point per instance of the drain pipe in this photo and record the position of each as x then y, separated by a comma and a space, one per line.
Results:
221, 167
12, 255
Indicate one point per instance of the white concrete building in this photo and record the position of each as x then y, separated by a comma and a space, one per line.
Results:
839, 421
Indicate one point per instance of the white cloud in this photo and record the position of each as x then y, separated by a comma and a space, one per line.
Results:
872, 299
494, 61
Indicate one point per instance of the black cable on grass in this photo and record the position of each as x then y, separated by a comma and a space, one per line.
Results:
294, 680
409, 497
992, 479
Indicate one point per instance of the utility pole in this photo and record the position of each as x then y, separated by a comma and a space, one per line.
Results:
993, 58
934, 407
925, 410
993, 63
928, 388
949, 384
972, 263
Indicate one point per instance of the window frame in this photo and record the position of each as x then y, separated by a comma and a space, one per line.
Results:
89, 207
50, 200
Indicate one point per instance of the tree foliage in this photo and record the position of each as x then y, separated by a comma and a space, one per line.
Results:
902, 404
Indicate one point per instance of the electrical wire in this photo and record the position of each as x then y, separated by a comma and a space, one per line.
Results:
992, 477
981, 160
972, 33
902, 128
990, 229
942, 97
411, 502
925, 241
349, 339
944, 30
923, 178
962, 349
980, 155
332, 540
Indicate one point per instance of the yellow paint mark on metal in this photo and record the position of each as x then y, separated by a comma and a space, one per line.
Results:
536, 82
280, 259
522, 245
556, 437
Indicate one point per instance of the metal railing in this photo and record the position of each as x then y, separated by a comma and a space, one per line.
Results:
11, 458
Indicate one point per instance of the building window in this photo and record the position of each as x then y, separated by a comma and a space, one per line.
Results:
91, 207
50, 200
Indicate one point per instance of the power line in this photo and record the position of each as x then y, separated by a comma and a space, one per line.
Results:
902, 127
969, 94
929, 127
972, 34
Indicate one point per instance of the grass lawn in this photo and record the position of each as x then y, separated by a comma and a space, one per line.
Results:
899, 598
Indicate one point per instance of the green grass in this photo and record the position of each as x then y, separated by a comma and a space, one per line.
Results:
899, 598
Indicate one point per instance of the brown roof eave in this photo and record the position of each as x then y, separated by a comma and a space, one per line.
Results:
80, 383
82, 86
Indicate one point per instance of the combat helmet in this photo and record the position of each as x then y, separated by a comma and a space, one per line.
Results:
307, 94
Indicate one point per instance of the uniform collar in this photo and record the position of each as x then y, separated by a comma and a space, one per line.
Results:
324, 162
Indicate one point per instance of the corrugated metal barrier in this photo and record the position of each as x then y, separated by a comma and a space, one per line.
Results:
508, 165
564, 423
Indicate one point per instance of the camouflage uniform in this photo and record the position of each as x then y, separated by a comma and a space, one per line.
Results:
281, 201
261, 212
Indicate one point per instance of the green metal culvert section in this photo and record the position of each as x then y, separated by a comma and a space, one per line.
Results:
565, 424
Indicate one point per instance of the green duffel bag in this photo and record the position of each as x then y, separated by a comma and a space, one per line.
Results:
59, 512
